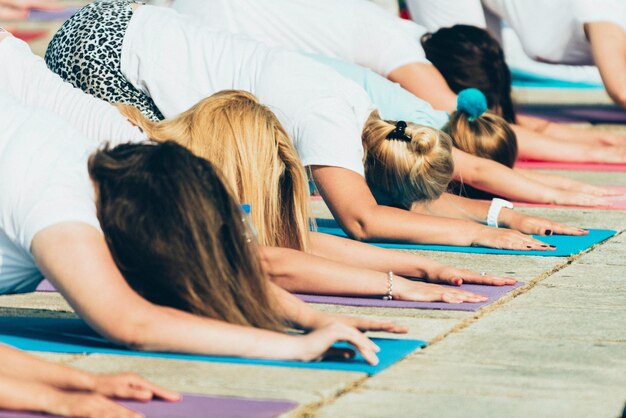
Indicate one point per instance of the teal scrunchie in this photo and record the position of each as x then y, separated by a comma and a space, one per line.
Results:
472, 102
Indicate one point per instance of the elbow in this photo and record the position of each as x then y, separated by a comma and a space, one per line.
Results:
619, 97
128, 335
359, 230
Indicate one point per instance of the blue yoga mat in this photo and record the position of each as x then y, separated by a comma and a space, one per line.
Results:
526, 79
565, 245
73, 336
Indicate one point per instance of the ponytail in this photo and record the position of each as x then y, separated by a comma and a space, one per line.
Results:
477, 131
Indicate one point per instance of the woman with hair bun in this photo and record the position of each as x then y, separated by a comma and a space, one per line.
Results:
325, 115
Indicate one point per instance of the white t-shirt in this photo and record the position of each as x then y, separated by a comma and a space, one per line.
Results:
26, 77
323, 112
44, 181
553, 31
356, 31
550, 31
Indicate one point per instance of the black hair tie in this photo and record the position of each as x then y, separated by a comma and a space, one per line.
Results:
399, 132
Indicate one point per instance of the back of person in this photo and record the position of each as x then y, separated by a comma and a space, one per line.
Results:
356, 31
320, 109
43, 167
553, 31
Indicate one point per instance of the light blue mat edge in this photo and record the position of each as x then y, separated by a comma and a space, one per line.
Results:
522, 78
55, 336
565, 245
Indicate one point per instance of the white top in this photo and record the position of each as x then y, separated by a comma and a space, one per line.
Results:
356, 31
44, 181
323, 112
553, 31
550, 31
26, 77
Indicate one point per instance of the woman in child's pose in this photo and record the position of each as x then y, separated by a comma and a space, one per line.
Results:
326, 118
251, 136
26, 77
31, 384
475, 133
177, 291
362, 33
468, 56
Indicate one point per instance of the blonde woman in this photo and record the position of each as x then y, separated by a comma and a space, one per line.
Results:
324, 114
246, 140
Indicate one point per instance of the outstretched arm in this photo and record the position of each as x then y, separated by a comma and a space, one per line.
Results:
608, 45
460, 207
18, 9
427, 83
350, 200
495, 178
305, 273
566, 184
75, 257
571, 134
538, 146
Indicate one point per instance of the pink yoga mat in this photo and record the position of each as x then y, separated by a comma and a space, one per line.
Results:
553, 165
618, 202
194, 406
492, 292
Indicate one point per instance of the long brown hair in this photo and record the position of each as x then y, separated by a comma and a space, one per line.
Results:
415, 169
245, 140
468, 56
487, 136
176, 233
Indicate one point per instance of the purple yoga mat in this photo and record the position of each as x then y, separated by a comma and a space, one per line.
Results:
194, 406
492, 292
37, 15
45, 286
577, 113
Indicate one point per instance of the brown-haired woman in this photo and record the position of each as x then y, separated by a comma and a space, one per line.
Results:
192, 303
468, 56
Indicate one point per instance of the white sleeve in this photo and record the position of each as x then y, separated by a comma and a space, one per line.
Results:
329, 136
26, 77
601, 11
385, 42
436, 14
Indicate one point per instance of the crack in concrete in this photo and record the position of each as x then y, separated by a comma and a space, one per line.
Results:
310, 410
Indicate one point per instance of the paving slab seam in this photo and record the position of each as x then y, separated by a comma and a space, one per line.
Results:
515, 293
311, 409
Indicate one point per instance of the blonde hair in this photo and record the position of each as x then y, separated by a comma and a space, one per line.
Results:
419, 168
245, 140
488, 136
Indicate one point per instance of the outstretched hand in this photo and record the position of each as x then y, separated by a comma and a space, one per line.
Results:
540, 226
131, 386
19, 9
456, 277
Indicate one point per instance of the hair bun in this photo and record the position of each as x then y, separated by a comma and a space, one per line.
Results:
423, 142
472, 102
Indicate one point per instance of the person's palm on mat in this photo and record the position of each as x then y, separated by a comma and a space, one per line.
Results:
535, 225
19, 9
28, 383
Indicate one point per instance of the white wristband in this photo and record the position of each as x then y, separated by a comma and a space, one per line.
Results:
494, 211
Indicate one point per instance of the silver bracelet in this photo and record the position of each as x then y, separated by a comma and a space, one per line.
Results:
389, 295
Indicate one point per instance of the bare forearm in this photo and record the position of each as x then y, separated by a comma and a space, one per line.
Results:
498, 179
367, 256
306, 273
537, 146
427, 83
23, 395
19, 365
